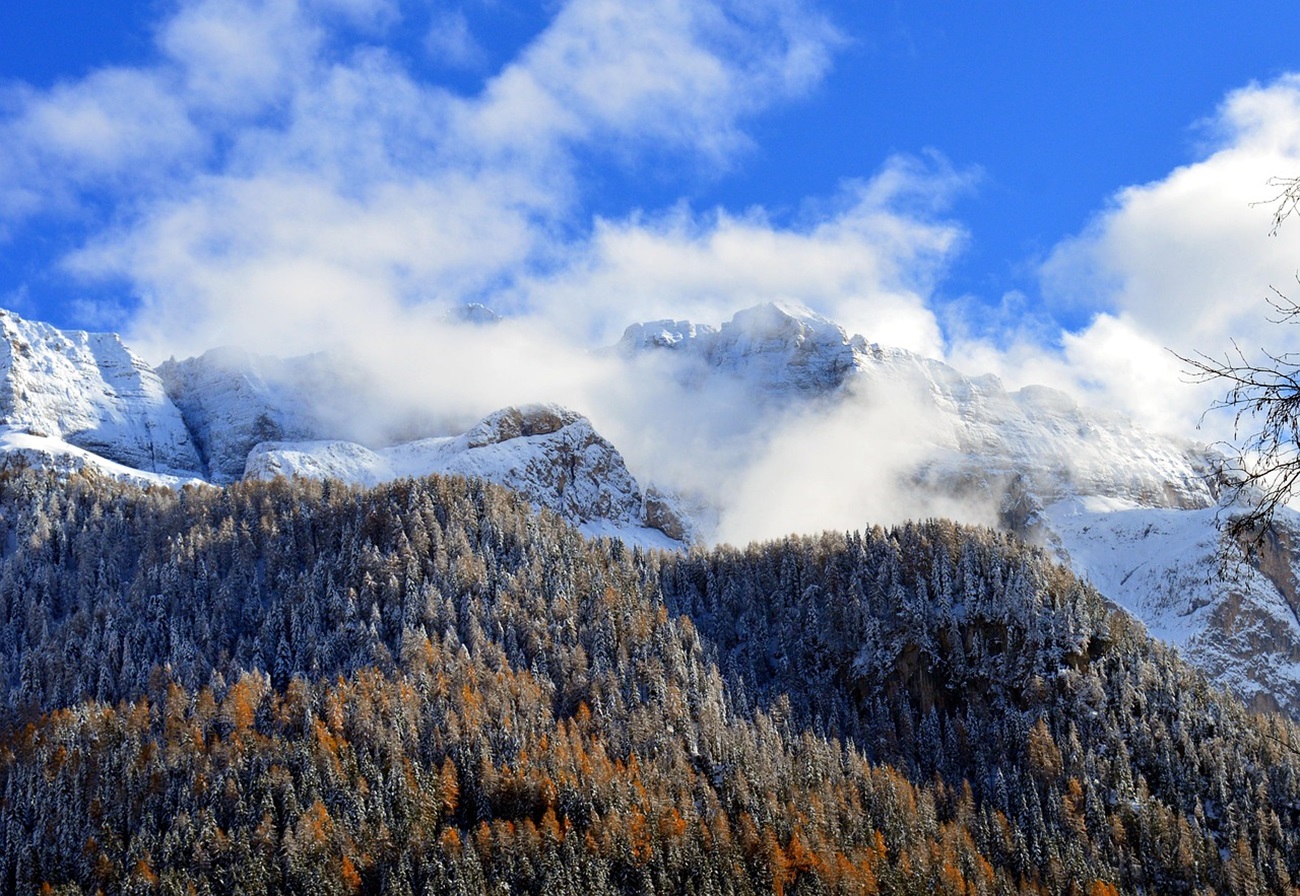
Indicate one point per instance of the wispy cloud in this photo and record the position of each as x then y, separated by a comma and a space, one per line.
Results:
858, 260
278, 160
450, 42
90, 137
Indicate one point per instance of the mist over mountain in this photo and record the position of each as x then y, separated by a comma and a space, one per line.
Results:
772, 422
262, 622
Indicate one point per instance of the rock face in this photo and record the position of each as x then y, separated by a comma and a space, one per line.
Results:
780, 349
70, 400
88, 390
232, 401
548, 453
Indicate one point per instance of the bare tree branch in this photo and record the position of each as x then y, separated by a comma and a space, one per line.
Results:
1263, 468
1264, 396
1285, 203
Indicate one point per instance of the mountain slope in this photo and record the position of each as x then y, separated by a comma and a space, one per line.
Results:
780, 349
425, 687
1136, 513
1230, 608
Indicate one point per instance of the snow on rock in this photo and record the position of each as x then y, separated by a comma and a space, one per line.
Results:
90, 391
550, 454
233, 400
21, 446
1231, 612
670, 334
475, 313
1037, 443
778, 348
323, 459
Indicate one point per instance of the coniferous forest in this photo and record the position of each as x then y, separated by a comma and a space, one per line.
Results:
427, 687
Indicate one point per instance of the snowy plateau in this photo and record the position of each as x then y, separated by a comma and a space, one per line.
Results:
1135, 513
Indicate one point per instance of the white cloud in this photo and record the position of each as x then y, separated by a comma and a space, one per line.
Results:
324, 179
860, 261
1183, 263
236, 56
830, 468
451, 43
114, 127
283, 266
675, 70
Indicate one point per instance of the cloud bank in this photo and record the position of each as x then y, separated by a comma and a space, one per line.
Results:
279, 162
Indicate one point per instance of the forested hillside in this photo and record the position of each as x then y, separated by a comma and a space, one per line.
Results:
428, 688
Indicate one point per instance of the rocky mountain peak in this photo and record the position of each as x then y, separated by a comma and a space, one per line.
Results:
89, 390
521, 422
669, 334
550, 454
775, 348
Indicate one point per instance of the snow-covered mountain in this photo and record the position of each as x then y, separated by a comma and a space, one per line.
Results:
71, 400
1135, 512
90, 391
550, 454
1230, 608
1029, 448
778, 349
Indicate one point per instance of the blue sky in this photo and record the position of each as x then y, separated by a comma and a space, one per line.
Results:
1054, 192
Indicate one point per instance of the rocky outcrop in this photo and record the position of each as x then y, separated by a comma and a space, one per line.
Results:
232, 401
89, 390
550, 454
776, 349
555, 457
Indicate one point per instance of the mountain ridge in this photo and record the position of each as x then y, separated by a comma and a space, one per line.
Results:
1047, 469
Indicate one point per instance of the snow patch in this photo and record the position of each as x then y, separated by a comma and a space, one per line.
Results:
1192, 586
